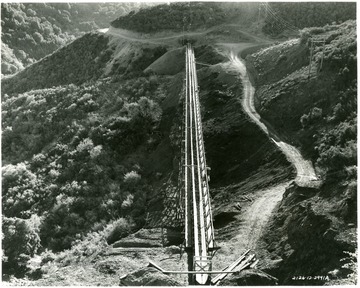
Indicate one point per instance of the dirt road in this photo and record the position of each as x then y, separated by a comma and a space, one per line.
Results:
255, 216
306, 176
251, 221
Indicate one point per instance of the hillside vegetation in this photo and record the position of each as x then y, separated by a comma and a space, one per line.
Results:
318, 112
91, 148
174, 17
88, 58
281, 16
70, 149
31, 31
79, 146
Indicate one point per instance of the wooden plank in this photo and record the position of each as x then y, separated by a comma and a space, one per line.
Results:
153, 264
254, 263
231, 267
246, 262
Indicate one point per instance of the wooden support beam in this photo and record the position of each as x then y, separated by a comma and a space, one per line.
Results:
231, 267
153, 264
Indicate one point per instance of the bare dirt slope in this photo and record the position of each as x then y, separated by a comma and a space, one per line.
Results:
252, 219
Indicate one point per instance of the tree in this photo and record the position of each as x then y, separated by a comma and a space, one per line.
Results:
118, 229
16, 175
132, 177
149, 109
20, 242
38, 37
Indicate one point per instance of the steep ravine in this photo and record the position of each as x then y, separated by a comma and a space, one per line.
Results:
310, 238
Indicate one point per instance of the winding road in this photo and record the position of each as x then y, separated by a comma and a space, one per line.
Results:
305, 173
255, 216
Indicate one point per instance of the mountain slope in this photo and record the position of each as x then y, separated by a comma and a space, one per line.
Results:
318, 114
33, 30
307, 115
172, 17
90, 57
81, 61
280, 17
91, 154
93, 151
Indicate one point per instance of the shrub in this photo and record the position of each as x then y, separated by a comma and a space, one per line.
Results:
149, 109
13, 175
314, 116
85, 145
20, 242
304, 36
132, 177
118, 229
316, 30
127, 203
96, 151
304, 120
351, 171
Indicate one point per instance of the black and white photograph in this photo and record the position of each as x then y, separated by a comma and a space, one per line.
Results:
179, 143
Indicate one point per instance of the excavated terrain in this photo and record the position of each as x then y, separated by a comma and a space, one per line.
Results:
310, 239
251, 178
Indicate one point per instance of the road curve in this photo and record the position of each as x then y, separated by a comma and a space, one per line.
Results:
306, 176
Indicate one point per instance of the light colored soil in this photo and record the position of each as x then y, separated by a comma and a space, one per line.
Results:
306, 176
107, 269
103, 30
252, 220
255, 216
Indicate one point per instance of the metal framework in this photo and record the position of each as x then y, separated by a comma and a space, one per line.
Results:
199, 231
189, 205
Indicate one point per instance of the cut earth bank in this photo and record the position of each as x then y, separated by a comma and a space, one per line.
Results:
311, 236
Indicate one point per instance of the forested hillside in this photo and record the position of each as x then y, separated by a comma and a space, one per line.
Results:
271, 18
175, 17
281, 16
73, 169
87, 58
31, 31
79, 145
